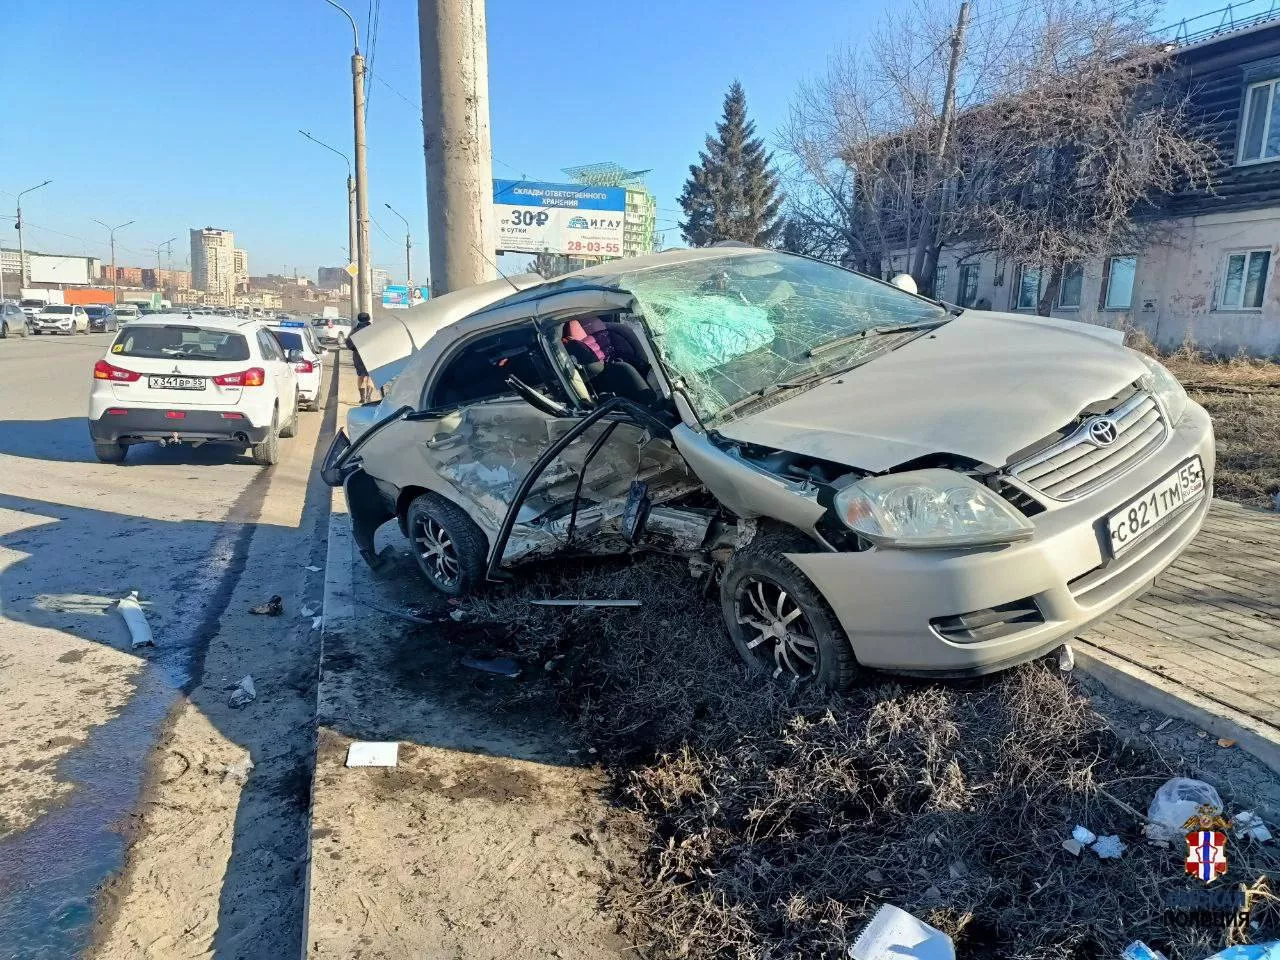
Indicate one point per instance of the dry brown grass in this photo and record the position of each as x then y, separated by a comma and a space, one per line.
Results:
1242, 395
773, 822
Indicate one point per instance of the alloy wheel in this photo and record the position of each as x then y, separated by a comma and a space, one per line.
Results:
436, 550
783, 638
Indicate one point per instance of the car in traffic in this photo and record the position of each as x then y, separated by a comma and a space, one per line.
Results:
102, 318
31, 306
13, 322
879, 479
179, 379
125, 312
332, 331
299, 342
65, 318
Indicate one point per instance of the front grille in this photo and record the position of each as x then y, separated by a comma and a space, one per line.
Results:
990, 624
1024, 502
1076, 465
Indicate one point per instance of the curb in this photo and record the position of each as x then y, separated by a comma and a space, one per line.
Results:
1141, 686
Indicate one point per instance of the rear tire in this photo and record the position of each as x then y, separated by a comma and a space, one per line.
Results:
110, 452
267, 453
450, 549
762, 589
290, 429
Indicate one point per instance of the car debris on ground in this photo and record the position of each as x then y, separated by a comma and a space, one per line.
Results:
502, 666
272, 608
585, 603
893, 933
243, 694
136, 620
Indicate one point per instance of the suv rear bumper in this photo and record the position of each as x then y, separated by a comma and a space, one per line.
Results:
204, 426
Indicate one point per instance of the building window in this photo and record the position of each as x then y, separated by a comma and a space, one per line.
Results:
967, 290
939, 280
1260, 127
1026, 292
1244, 280
1119, 283
1072, 284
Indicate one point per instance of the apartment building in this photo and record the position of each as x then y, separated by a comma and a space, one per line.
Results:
213, 264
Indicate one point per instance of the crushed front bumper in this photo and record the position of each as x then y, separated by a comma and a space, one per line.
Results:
890, 602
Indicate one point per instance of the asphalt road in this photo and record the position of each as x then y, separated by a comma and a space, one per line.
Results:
79, 710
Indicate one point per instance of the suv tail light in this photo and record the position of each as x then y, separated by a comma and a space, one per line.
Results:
253, 377
105, 371
304, 366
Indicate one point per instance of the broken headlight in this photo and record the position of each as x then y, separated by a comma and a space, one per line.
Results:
1164, 386
929, 508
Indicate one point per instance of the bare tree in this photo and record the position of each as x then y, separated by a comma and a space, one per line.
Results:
1069, 126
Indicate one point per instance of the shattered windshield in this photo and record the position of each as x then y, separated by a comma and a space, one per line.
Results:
740, 327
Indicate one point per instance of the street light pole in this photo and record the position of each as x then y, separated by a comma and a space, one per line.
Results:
363, 280
408, 262
115, 285
351, 219
22, 247
159, 281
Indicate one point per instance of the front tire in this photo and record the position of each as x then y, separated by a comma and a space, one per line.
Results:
450, 549
267, 453
110, 452
779, 623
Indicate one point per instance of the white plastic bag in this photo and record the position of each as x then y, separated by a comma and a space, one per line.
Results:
1175, 803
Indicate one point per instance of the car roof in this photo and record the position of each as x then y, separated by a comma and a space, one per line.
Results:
211, 321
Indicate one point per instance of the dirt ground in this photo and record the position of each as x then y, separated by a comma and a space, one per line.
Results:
217, 860
490, 839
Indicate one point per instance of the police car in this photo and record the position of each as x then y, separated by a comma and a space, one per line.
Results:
175, 378
296, 336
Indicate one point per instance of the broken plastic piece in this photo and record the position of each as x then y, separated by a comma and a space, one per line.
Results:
238, 771
1083, 835
317, 622
1072, 846
585, 603
893, 934
313, 568
373, 753
1108, 848
1249, 824
1252, 951
1066, 658
243, 694
309, 610
272, 608
1174, 804
503, 666
135, 620
1140, 951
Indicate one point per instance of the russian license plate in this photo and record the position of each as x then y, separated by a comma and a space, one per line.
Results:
1130, 522
176, 383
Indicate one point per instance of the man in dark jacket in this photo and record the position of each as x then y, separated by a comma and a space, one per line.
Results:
363, 381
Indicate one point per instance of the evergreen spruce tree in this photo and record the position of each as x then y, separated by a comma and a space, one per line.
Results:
732, 191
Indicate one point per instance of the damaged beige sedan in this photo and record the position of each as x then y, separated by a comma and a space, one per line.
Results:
880, 480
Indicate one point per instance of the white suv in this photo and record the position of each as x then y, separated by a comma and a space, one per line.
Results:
61, 318
307, 356
173, 378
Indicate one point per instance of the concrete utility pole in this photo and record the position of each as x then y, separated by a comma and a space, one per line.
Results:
455, 111
364, 284
949, 94
115, 286
408, 262
22, 247
351, 219
159, 247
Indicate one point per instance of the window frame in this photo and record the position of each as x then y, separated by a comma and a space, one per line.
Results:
1062, 286
1015, 299
964, 270
939, 280
1243, 129
429, 399
1104, 300
1219, 298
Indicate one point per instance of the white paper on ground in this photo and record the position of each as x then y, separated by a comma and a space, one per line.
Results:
373, 753
893, 934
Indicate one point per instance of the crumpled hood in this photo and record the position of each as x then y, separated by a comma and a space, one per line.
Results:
983, 386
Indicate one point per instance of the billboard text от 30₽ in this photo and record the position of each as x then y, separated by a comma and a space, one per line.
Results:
568, 218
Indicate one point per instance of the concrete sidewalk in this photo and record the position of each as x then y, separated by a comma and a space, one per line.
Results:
1204, 643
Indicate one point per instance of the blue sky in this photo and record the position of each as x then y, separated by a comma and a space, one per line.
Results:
184, 113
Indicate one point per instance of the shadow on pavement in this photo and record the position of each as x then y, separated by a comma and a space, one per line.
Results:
67, 440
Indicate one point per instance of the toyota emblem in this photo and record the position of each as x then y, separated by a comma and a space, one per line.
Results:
1103, 431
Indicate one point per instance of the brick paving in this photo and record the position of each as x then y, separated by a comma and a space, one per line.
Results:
1211, 623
